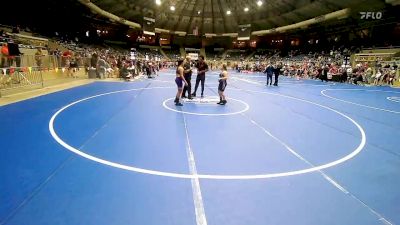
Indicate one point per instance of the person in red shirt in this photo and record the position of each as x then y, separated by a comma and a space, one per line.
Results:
4, 55
67, 54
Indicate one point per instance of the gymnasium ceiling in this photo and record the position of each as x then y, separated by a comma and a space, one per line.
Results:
210, 16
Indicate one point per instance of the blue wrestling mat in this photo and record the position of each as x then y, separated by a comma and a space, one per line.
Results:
115, 153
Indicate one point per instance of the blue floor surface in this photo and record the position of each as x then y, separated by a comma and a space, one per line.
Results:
262, 131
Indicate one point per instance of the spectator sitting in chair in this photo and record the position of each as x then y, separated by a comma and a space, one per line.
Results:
343, 76
124, 72
368, 75
385, 76
148, 69
377, 77
73, 67
102, 66
391, 77
39, 58
359, 76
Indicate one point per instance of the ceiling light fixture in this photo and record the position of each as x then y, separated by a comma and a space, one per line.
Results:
172, 8
246, 9
198, 12
259, 3
158, 2
228, 12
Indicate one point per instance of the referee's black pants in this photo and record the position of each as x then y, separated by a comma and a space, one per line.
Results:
188, 88
269, 78
202, 79
276, 79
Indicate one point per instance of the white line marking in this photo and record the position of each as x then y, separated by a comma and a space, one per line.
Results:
383, 220
206, 176
353, 103
248, 81
394, 99
193, 75
173, 82
334, 183
197, 197
165, 81
323, 174
296, 154
262, 83
206, 101
249, 76
246, 107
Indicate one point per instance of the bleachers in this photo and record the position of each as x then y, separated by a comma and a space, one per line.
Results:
172, 53
237, 55
53, 59
149, 53
215, 54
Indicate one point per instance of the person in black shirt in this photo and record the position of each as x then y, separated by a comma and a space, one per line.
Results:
269, 70
319, 73
93, 60
343, 77
202, 68
188, 77
277, 70
324, 76
147, 68
14, 53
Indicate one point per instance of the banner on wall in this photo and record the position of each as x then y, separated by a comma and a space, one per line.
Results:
244, 32
149, 26
194, 56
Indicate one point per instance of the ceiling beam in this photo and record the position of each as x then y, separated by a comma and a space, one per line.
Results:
329, 5
251, 13
162, 9
283, 9
213, 16
202, 17
183, 7
192, 15
223, 16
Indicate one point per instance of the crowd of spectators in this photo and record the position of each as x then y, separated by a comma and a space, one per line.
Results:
333, 65
97, 61
172, 53
237, 55
107, 63
103, 61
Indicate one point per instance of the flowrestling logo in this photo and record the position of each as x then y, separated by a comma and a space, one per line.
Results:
371, 15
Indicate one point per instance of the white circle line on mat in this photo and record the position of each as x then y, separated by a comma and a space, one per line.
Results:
246, 108
323, 92
394, 99
206, 176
